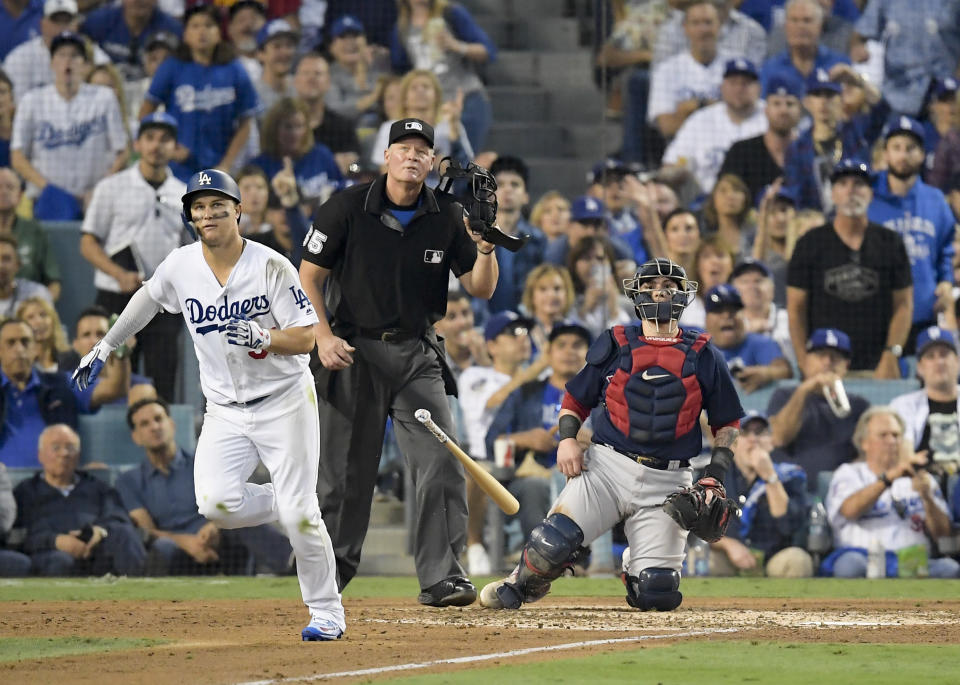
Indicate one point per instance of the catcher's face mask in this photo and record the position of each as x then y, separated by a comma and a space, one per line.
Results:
660, 309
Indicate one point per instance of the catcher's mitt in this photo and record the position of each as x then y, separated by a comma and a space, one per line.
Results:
703, 509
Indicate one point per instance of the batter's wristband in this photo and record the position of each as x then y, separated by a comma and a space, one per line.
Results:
720, 460
569, 426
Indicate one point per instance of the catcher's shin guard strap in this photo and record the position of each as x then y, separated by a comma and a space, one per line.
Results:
720, 460
654, 588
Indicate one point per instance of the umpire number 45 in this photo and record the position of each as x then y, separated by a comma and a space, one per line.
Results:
314, 241
300, 297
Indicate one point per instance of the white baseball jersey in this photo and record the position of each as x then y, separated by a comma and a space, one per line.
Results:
127, 212
896, 518
72, 143
476, 385
263, 287
28, 65
680, 78
704, 138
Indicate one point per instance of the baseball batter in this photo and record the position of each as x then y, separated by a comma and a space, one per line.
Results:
252, 327
644, 387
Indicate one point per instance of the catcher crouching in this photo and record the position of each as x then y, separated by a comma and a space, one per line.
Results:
644, 387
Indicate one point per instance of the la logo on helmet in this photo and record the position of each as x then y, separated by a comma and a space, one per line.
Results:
204, 179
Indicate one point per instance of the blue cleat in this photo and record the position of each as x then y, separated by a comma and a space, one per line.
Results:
321, 630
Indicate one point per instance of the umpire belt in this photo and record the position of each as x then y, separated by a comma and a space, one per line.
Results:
389, 334
652, 462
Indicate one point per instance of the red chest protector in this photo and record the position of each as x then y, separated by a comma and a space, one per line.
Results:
654, 395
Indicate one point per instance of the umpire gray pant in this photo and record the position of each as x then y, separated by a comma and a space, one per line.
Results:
396, 378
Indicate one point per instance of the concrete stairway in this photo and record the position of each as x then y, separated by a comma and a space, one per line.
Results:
385, 548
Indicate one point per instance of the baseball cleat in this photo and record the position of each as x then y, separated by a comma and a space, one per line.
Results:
489, 595
321, 630
449, 592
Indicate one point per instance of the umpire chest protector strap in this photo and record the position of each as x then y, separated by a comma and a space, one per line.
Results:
654, 395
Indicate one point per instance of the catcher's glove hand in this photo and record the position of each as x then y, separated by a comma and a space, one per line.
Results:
703, 509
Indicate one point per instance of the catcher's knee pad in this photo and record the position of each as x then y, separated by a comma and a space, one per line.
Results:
553, 547
654, 588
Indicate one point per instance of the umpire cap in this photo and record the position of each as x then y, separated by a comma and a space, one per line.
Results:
209, 181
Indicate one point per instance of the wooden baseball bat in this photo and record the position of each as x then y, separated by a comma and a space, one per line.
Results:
490, 485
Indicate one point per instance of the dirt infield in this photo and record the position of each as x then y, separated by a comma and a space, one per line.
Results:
257, 640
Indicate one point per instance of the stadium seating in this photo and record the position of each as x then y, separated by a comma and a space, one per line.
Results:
105, 437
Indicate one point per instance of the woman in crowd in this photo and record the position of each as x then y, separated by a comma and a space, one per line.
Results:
285, 133
713, 264
728, 213
681, 232
422, 98
47, 331
547, 299
776, 235
598, 302
442, 38
254, 194
551, 214
209, 93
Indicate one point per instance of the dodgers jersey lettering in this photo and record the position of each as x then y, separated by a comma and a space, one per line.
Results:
263, 287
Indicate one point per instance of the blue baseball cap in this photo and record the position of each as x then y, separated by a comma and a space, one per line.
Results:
783, 84
587, 208
750, 264
899, 124
942, 87
721, 297
819, 82
754, 415
851, 167
935, 336
501, 321
276, 29
157, 120
740, 66
346, 23
611, 167
68, 38
569, 326
788, 194
829, 339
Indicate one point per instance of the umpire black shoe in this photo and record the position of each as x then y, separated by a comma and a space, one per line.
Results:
454, 591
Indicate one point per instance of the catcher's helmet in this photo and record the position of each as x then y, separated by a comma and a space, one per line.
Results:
649, 309
209, 181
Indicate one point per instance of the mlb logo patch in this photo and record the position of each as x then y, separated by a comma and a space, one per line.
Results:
433, 256
413, 126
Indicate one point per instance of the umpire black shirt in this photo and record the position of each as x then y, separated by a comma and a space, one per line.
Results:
384, 275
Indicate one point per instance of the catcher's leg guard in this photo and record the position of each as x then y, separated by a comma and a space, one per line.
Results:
553, 547
654, 588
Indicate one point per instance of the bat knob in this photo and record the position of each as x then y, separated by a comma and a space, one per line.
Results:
422, 415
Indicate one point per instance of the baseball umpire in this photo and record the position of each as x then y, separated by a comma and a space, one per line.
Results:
252, 327
645, 386
384, 250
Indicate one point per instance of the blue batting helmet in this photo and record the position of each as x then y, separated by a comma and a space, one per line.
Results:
210, 181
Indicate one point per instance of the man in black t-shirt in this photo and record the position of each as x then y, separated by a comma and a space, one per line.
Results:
852, 275
385, 251
930, 414
759, 160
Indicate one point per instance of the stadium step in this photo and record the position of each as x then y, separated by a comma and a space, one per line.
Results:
545, 34
515, 8
385, 551
526, 139
386, 513
569, 176
548, 69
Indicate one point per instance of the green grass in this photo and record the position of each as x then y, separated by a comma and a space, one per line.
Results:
729, 663
22, 648
72, 589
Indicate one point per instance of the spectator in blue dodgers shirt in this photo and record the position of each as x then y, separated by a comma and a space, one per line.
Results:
922, 217
276, 48
208, 92
804, 53
588, 216
67, 135
30, 399
703, 140
806, 430
442, 37
123, 29
754, 359
19, 22
513, 176
159, 497
812, 156
773, 509
920, 42
286, 136
885, 496
74, 522
739, 34
930, 414
528, 419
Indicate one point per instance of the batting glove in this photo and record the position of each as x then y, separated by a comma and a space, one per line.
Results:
247, 334
91, 365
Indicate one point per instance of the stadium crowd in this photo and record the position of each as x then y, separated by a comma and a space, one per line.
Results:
799, 158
